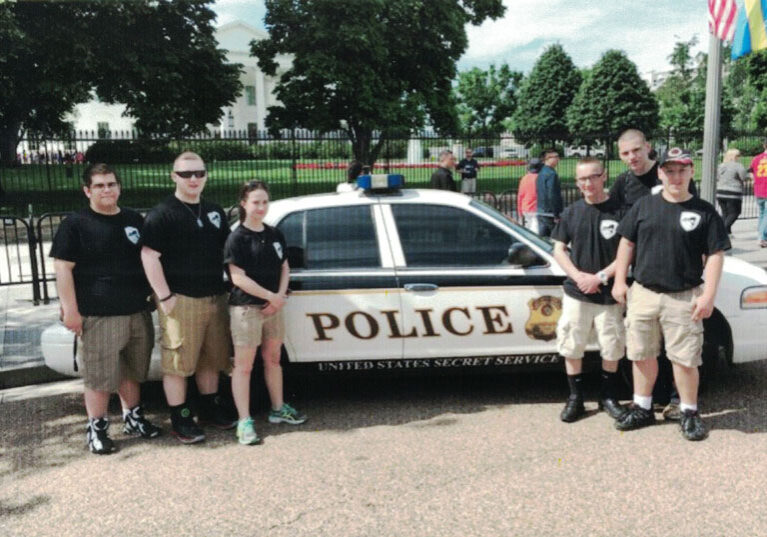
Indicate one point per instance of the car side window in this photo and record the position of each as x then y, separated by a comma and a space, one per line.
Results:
332, 238
436, 235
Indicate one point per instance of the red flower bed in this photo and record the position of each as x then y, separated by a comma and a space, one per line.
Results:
399, 165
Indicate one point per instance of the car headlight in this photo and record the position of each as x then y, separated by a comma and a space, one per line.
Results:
754, 297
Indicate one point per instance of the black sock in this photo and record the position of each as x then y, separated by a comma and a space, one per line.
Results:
575, 382
608, 388
178, 412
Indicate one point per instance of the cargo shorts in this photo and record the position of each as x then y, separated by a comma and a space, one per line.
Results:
579, 320
115, 347
250, 326
652, 317
195, 335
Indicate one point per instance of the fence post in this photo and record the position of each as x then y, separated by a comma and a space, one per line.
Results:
294, 172
32, 245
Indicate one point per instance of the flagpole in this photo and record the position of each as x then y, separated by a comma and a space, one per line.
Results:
711, 118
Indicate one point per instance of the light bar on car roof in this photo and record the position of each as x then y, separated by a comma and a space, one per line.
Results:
380, 181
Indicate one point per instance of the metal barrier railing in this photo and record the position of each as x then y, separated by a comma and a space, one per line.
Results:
18, 262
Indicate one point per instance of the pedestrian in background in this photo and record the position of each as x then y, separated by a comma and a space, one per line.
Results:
468, 167
442, 178
549, 193
758, 170
352, 172
729, 187
527, 199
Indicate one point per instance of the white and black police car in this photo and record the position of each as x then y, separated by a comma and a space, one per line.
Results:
385, 278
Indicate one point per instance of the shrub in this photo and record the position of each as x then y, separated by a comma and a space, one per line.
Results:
129, 151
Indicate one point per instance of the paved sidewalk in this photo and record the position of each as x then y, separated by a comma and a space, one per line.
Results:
22, 323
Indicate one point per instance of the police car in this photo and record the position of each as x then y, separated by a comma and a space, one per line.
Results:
384, 278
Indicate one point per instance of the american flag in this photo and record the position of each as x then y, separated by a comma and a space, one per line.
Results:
721, 18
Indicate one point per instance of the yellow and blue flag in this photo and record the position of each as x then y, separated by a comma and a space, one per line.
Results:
751, 28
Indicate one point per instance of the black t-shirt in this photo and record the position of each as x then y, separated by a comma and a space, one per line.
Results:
261, 255
106, 250
628, 188
671, 239
192, 251
591, 231
469, 168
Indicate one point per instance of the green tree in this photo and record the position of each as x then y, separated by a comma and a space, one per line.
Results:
486, 99
372, 68
159, 57
613, 97
544, 98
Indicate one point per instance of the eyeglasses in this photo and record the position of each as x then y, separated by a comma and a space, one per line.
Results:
200, 174
592, 178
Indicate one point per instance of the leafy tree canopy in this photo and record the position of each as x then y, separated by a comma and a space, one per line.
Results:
367, 66
544, 98
158, 57
612, 98
486, 99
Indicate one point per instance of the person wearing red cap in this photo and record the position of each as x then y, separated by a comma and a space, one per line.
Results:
676, 242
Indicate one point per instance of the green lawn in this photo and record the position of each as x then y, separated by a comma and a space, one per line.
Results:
48, 188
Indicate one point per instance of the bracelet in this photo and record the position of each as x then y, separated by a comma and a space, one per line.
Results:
168, 297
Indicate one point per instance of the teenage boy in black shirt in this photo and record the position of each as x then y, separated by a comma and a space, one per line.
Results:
677, 243
590, 227
468, 166
103, 295
183, 256
442, 178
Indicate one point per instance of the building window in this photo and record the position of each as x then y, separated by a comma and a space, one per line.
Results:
250, 95
102, 128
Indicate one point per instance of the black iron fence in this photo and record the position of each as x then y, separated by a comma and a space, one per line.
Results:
46, 174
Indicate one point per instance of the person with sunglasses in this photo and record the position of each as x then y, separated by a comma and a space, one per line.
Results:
183, 256
257, 258
103, 294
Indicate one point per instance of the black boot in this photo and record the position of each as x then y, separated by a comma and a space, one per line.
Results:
574, 408
608, 395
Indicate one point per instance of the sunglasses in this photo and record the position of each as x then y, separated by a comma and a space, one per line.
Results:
200, 174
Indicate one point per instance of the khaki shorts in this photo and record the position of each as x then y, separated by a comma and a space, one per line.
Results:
113, 348
195, 335
250, 326
469, 185
579, 320
651, 314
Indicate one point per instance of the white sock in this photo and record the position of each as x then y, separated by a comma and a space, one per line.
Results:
644, 401
685, 406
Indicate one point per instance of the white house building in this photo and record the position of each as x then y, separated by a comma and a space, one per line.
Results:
247, 113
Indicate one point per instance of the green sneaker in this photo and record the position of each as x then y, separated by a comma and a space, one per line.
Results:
246, 434
287, 414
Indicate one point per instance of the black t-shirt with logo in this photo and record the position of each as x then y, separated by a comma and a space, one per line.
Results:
261, 255
671, 239
190, 238
592, 233
106, 250
629, 188
468, 168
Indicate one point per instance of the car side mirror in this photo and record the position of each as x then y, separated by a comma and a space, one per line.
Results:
522, 256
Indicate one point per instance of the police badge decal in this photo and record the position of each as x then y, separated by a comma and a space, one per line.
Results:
544, 314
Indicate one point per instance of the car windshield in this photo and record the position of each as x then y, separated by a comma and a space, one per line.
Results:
542, 242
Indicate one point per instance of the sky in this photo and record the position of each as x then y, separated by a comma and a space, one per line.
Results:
645, 30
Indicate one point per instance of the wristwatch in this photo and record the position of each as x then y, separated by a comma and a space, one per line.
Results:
603, 277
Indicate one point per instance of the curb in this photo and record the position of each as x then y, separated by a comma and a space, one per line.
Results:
24, 376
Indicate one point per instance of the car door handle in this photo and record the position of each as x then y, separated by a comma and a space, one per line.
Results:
421, 287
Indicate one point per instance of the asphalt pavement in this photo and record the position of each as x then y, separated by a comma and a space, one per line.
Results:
480, 455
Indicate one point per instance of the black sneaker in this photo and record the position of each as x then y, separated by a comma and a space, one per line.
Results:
185, 429
573, 410
671, 411
635, 417
136, 423
98, 437
692, 426
613, 408
217, 415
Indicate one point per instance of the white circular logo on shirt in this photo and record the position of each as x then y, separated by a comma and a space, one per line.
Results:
689, 220
278, 249
132, 234
656, 189
608, 228
215, 219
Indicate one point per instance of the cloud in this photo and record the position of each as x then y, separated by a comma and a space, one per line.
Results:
646, 31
